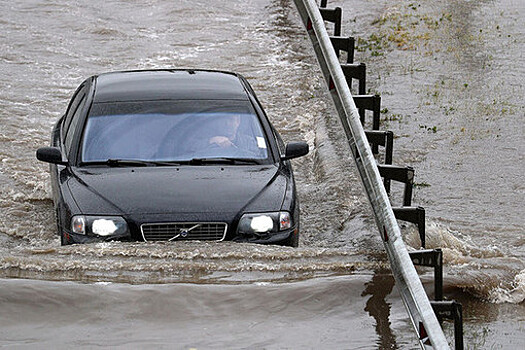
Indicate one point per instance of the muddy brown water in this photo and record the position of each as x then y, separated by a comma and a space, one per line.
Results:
451, 78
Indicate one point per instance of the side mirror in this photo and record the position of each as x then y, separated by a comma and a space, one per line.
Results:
50, 155
295, 150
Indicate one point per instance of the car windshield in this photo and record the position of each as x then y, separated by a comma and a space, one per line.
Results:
173, 131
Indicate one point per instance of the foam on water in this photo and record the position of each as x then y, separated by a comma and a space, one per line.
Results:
487, 272
515, 294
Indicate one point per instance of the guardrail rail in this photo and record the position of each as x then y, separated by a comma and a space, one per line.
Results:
376, 178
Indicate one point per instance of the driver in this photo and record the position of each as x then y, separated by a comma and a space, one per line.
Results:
228, 136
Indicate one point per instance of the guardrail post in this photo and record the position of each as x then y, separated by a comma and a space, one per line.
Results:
431, 258
451, 310
401, 174
382, 138
346, 44
415, 215
334, 16
370, 103
358, 72
355, 71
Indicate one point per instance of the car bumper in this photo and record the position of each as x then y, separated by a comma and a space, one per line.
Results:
73, 238
277, 238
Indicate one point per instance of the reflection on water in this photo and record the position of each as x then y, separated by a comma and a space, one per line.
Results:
379, 288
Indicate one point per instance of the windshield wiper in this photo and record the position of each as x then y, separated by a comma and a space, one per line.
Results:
228, 160
127, 162
131, 162
166, 162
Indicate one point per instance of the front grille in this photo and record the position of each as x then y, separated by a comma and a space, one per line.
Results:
183, 231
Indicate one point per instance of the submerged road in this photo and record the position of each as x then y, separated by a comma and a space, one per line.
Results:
451, 78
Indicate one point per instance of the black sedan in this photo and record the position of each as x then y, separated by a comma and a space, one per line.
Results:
165, 155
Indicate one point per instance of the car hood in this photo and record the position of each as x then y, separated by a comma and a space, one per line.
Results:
183, 190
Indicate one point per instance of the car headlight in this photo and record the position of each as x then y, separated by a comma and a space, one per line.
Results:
265, 222
98, 225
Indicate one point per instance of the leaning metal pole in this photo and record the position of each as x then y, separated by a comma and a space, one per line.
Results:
423, 319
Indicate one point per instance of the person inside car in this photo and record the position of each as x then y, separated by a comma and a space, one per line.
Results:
234, 136
228, 136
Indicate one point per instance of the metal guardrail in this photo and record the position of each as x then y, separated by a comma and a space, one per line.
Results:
421, 314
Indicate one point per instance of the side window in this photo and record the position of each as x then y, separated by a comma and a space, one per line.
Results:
70, 133
79, 95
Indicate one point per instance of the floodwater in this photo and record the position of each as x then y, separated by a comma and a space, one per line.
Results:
451, 76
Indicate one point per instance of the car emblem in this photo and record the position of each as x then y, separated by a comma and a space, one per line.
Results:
183, 232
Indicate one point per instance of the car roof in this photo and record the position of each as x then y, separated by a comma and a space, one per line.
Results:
177, 84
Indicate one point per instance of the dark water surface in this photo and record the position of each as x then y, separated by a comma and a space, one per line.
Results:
451, 76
